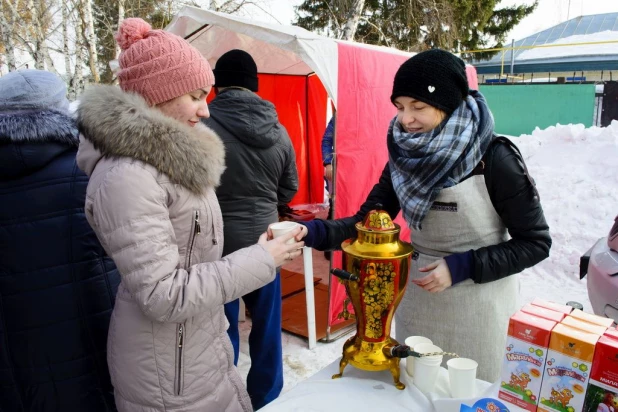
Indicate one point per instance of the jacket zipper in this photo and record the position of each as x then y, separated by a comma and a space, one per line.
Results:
180, 342
196, 231
181, 327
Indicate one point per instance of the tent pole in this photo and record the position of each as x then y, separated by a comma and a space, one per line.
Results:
307, 251
196, 31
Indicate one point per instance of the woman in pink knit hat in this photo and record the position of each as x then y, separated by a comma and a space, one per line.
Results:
153, 167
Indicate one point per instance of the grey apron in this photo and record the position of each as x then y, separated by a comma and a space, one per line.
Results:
469, 319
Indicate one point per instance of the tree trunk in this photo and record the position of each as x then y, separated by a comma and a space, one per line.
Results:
66, 16
356, 10
91, 40
120, 19
78, 76
6, 33
36, 35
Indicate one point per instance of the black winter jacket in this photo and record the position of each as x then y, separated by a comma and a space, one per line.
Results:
513, 196
260, 165
57, 286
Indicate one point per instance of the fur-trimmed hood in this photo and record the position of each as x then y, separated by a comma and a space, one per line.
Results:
119, 124
30, 139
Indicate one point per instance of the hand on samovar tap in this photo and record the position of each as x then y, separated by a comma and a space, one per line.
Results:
438, 279
279, 249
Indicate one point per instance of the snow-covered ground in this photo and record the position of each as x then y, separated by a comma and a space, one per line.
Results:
576, 171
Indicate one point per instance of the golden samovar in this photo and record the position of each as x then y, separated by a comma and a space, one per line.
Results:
375, 275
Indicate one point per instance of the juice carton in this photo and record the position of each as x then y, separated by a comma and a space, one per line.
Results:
580, 324
568, 364
612, 333
590, 318
602, 393
551, 305
543, 312
524, 359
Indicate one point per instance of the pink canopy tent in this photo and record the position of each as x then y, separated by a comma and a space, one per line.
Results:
299, 72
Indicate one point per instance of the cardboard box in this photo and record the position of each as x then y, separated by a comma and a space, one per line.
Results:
543, 312
590, 318
524, 359
612, 333
580, 324
567, 368
553, 306
602, 393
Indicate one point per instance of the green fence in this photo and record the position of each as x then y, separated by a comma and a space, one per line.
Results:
518, 109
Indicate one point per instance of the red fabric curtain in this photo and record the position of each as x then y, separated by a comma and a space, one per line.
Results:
363, 115
300, 102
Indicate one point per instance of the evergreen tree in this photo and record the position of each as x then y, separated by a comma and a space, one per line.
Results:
416, 25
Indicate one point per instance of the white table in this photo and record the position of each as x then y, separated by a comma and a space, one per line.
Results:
361, 390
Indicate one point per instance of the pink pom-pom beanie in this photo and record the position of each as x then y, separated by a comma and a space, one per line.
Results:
158, 65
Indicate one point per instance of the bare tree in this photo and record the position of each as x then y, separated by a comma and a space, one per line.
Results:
8, 20
231, 6
352, 19
66, 21
87, 23
120, 18
78, 83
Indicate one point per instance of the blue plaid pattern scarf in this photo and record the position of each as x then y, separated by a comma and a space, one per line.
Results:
422, 164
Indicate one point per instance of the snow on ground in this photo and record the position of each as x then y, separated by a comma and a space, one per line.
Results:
576, 171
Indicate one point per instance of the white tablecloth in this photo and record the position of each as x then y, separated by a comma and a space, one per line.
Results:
361, 390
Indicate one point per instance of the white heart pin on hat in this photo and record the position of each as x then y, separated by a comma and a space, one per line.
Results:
431, 89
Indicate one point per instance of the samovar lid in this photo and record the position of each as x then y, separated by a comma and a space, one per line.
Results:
377, 220
378, 237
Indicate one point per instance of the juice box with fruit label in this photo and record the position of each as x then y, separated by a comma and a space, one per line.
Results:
567, 368
543, 312
552, 305
524, 359
602, 393
590, 318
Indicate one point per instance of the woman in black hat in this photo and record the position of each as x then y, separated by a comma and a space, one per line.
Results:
473, 209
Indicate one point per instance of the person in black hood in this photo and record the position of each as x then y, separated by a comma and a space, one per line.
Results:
58, 286
260, 175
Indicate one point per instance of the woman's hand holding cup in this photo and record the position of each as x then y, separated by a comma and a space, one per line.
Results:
283, 247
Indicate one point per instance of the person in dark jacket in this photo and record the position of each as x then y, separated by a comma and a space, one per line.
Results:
473, 209
58, 286
260, 175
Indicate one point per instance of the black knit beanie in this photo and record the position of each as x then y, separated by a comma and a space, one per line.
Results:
435, 77
236, 68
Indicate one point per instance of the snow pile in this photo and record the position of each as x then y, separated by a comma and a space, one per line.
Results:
576, 171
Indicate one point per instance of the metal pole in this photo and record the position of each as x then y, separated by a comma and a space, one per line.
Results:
512, 55
310, 297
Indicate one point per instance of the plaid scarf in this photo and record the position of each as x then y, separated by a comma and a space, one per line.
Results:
422, 164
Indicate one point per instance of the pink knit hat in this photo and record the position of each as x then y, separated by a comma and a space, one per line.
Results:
158, 65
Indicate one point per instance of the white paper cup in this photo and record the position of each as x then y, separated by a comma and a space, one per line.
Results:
281, 228
462, 377
426, 368
411, 341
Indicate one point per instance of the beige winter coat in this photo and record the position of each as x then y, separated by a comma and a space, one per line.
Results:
152, 205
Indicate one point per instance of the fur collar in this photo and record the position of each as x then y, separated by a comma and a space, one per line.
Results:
120, 124
36, 126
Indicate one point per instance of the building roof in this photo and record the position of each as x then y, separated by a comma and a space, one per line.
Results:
578, 30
